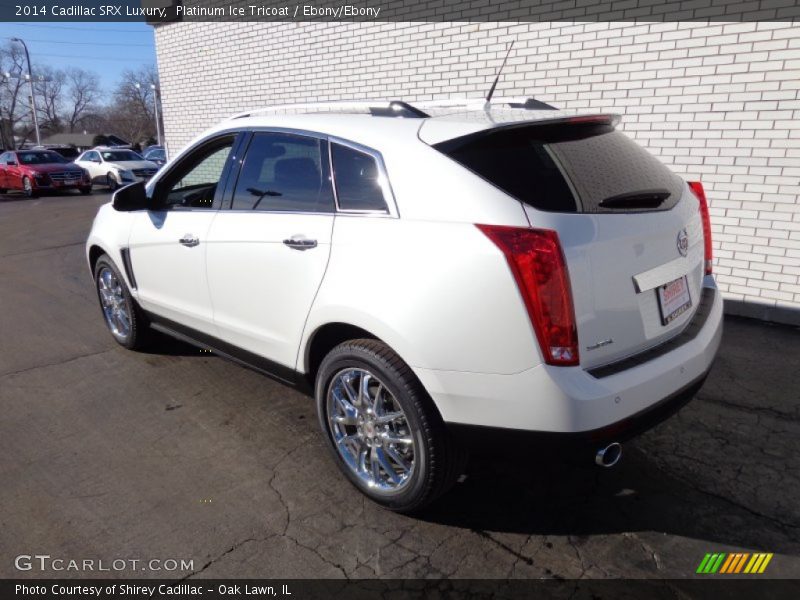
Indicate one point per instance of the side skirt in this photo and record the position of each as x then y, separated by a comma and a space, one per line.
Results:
233, 353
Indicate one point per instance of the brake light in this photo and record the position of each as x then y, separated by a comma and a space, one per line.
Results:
538, 266
697, 189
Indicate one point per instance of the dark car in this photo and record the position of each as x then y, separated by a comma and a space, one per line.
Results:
37, 171
68, 152
156, 154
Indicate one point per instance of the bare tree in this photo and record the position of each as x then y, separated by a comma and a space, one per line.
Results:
131, 113
48, 85
16, 118
83, 94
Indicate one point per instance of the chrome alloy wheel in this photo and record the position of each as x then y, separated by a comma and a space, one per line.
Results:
370, 430
115, 306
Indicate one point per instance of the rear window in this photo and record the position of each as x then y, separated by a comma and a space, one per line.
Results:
569, 168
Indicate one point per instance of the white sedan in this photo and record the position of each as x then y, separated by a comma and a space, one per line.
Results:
116, 167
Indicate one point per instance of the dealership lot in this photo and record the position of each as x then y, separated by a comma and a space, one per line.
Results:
176, 454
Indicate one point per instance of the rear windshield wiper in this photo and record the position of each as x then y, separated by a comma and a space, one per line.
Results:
641, 199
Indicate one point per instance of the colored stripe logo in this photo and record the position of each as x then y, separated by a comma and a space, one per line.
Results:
734, 563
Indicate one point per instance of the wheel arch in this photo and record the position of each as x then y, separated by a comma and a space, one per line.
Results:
94, 254
324, 339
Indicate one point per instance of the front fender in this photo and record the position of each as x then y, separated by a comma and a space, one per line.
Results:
110, 233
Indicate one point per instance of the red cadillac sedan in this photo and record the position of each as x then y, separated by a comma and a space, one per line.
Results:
38, 171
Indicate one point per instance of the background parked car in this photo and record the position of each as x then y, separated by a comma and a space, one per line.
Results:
156, 154
68, 152
116, 167
36, 171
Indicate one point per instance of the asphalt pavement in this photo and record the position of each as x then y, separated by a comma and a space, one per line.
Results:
107, 454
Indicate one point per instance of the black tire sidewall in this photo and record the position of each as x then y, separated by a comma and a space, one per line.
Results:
130, 341
354, 356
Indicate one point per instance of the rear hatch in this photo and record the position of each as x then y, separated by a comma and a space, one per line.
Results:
630, 229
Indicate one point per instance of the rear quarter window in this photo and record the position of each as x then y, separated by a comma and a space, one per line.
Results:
356, 175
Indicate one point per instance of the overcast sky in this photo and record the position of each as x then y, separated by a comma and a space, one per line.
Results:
105, 48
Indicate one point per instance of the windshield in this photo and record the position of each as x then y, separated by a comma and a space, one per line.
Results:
155, 154
39, 158
119, 155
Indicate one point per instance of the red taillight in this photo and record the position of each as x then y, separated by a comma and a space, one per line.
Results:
697, 189
537, 263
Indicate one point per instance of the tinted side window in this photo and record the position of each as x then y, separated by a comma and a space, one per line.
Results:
356, 176
193, 182
283, 172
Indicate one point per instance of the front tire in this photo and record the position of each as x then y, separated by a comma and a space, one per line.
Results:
111, 182
86, 190
124, 319
382, 427
27, 187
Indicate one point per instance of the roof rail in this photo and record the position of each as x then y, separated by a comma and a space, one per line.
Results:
397, 108
480, 103
378, 108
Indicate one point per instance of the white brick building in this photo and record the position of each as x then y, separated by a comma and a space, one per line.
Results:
716, 101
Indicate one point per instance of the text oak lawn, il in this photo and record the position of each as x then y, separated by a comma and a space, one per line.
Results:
150, 591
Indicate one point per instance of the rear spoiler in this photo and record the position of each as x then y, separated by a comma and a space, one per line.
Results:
444, 131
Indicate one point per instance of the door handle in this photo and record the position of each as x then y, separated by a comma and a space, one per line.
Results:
189, 240
300, 243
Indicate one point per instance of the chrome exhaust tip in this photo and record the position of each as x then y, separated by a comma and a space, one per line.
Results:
609, 456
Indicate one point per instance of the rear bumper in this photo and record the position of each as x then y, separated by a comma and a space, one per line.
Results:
572, 400
480, 437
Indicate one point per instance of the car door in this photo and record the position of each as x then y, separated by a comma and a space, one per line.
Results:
267, 254
91, 162
168, 243
4, 158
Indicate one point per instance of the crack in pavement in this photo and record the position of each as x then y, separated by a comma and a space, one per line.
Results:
646, 548
224, 554
46, 248
55, 364
783, 525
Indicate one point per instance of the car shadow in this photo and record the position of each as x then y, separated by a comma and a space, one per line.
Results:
546, 495
164, 345
13, 197
19, 196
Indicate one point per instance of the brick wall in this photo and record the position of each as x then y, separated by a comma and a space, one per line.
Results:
719, 101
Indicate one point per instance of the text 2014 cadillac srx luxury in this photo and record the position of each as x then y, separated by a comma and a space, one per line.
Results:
436, 274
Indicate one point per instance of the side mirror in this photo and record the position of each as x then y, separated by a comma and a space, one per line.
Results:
11, 163
130, 198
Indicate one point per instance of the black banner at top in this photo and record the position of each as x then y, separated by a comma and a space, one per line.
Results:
166, 11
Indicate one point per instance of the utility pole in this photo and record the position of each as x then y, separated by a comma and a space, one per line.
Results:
155, 89
33, 93
155, 106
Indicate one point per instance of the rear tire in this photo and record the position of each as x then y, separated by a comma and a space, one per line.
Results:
126, 322
111, 182
392, 423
